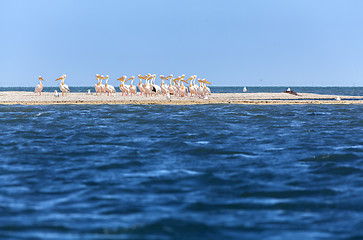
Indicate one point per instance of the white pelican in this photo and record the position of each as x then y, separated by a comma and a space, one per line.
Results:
244, 89
98, 85
109, 88
338, 98
191, 88
56, 94
133, 89
62, 86
182, 89
200, 91
195, 86
146, 77
103, 90
163, 86
170, 87
39, 87
141, 87
207, 89
89, 92
154, 87
176, 85
122, 84
147, 87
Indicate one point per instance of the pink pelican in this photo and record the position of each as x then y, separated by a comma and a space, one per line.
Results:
39, 87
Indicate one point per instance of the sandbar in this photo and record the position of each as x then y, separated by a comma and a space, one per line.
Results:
47, 98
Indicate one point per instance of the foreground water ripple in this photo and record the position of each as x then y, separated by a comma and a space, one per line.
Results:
181, 172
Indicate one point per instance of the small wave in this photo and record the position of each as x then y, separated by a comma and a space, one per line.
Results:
112, 166
159, 173
332, 158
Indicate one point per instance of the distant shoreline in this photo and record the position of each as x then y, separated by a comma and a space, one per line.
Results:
48, 98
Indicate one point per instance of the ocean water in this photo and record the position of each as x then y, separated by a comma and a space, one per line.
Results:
181, 172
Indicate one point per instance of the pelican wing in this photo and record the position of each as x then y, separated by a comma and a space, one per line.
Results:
66, 87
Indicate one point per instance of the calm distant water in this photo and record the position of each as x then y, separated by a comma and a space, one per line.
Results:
181, 172
351, 91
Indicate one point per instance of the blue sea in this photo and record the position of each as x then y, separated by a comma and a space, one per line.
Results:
182, 172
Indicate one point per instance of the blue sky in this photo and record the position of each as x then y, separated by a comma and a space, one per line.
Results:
231, 43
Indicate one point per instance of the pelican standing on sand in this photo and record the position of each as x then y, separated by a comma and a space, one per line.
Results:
207, 89
62, 86
103, 90
132, 87
122, 84
191, 88
147, 87
154, 87
141, 87
170, 87
98, 85
109, 88
163, 86
39, 87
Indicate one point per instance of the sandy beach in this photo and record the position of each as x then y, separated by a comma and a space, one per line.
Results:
30, 98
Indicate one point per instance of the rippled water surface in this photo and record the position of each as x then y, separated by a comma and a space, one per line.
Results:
181, 172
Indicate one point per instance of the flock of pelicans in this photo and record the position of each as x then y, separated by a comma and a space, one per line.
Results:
175, 87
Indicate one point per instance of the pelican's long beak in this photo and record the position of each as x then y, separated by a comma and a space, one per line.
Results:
59, 78
40, 78
205, 81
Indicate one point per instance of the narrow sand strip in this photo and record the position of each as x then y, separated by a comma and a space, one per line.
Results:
30, 98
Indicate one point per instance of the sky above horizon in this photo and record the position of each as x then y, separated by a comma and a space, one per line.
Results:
231, 43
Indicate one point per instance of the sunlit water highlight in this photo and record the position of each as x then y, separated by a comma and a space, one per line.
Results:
181, 172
